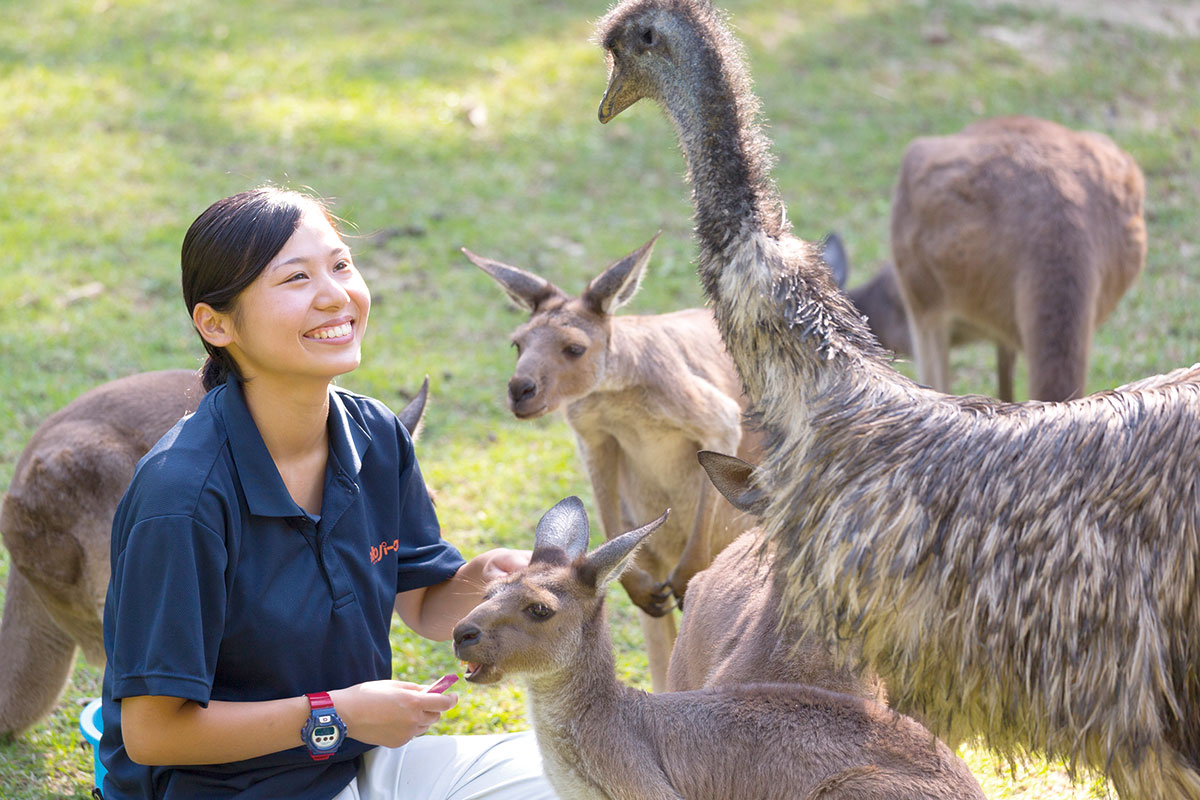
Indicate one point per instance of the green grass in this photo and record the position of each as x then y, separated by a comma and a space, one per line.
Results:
439, 125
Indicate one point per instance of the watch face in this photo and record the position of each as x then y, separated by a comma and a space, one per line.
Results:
324, 737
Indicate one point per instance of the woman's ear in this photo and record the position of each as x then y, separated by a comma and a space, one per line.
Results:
214, 327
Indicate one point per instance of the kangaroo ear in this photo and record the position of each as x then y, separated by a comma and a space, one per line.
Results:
834, 254
414, 413
734, 479
617, 285
526, 289
562, 529
609, 559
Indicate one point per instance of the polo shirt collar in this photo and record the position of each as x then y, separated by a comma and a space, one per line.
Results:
263, 486
348, 439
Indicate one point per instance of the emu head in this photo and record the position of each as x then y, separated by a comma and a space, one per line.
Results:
649, 46
533, 622
562, 349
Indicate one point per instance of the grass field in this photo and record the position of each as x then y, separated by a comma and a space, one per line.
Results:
436, 125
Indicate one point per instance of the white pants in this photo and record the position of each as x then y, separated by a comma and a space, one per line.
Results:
499, 766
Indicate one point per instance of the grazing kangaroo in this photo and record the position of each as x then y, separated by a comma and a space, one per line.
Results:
56, 521
601, 740
732, 631
642, 394
1027, 231
1022, 572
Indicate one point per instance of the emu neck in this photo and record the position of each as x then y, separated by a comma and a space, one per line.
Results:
780, 315
727, 154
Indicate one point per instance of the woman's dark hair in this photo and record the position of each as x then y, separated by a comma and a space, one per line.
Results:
228, 246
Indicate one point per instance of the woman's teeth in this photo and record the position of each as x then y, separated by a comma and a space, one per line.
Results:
332, 333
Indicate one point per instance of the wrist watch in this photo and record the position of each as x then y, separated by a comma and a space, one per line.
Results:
324, 731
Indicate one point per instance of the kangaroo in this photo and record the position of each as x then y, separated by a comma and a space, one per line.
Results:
642, 394
601, 740
56, 521
1027, 231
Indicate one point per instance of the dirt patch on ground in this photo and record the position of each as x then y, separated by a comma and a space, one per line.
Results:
1180, 19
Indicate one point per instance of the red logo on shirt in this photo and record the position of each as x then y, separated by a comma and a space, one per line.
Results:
377, 553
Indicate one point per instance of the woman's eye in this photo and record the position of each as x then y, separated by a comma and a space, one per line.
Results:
343, 264
296, 276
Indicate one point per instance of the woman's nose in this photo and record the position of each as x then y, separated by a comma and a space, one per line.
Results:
332, 292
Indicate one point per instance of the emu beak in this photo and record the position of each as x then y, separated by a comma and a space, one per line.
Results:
619, 96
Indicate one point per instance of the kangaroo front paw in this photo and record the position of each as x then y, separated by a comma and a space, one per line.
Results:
677, 583
655, 598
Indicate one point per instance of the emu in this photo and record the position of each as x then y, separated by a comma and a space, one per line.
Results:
1022, 230
642, 394
601, 740
56, 521
1025, 572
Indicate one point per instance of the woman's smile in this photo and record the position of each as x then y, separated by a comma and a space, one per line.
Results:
339, 331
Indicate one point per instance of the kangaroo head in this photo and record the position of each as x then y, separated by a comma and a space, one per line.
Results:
533, 622
562, 348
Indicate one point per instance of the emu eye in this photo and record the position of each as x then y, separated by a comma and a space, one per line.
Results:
574, 350
539, 611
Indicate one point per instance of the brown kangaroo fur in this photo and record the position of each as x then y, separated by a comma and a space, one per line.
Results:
1025, 230
56, 521
601, 740
643, 394
732, 632
1021, 572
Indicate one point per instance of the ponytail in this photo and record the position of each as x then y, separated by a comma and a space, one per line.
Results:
217, 368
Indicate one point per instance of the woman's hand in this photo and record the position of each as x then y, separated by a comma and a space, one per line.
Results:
434, 611
389, 713
502, 562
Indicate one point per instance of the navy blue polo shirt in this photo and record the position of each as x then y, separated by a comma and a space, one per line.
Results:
223, 588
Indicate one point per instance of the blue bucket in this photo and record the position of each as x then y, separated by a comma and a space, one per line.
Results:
90, 725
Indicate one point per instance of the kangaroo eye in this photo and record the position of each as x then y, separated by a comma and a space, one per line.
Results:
539, 611
648, 37
574, 350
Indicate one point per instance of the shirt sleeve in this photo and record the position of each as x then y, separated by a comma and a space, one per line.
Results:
427, 559
168, 585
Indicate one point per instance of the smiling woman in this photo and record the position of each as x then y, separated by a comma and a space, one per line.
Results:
278, 481
310, 277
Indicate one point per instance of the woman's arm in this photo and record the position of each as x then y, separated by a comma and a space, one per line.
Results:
172, 731
432, 612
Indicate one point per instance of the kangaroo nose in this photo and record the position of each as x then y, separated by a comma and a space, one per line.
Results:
466, 635
521, 389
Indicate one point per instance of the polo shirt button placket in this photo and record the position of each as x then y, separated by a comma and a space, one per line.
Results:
308, 529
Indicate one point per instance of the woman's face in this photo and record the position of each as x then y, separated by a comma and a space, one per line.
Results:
304, 316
